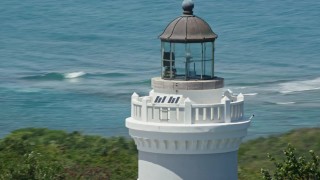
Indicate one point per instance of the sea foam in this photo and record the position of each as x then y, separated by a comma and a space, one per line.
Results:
250, 94
285, 103
74, 74
299, 86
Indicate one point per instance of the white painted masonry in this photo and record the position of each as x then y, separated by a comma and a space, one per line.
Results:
169, 134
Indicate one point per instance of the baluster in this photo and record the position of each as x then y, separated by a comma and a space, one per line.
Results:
242, 109
239, 110
177, 114
231, 111
152, 112
197, 114
236, 111
212, 113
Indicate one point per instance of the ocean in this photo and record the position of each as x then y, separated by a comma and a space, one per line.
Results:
73, 65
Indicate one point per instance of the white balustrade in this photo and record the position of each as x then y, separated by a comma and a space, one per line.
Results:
207, 113
188, 113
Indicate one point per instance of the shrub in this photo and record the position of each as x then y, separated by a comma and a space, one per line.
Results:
292, 167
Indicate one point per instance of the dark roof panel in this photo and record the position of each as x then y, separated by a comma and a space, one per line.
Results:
188, 29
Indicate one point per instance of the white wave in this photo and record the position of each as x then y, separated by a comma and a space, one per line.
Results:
284, 103
29, 90
240, 87
250, 94
299, 86
74, 74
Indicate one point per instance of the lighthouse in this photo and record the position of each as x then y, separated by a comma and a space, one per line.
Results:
188, 127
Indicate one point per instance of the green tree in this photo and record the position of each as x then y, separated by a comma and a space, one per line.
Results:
292, 168
32, 166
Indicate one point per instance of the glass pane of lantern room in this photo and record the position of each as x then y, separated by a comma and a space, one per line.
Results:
208, 60
167, 62
180, 61
194, 62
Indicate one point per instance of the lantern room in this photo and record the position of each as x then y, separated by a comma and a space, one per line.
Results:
187, 47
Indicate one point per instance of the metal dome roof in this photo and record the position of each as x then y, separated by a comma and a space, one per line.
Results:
188, 28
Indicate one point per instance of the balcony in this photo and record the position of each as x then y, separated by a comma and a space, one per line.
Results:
229, 110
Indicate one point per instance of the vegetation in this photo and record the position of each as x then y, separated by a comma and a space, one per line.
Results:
253, 155
293, 167
49, 154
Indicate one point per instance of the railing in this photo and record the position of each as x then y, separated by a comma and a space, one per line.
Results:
188, 113
207, 113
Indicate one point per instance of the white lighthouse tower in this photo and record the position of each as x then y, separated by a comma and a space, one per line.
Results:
188, 127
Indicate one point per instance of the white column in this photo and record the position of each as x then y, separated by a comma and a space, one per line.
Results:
188, 111
144, 112
240, 97
226, 101
215, 166
134, 96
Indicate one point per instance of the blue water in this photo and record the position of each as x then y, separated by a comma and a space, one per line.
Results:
73, 65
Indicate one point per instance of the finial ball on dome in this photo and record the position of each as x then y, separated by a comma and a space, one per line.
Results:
187, 6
